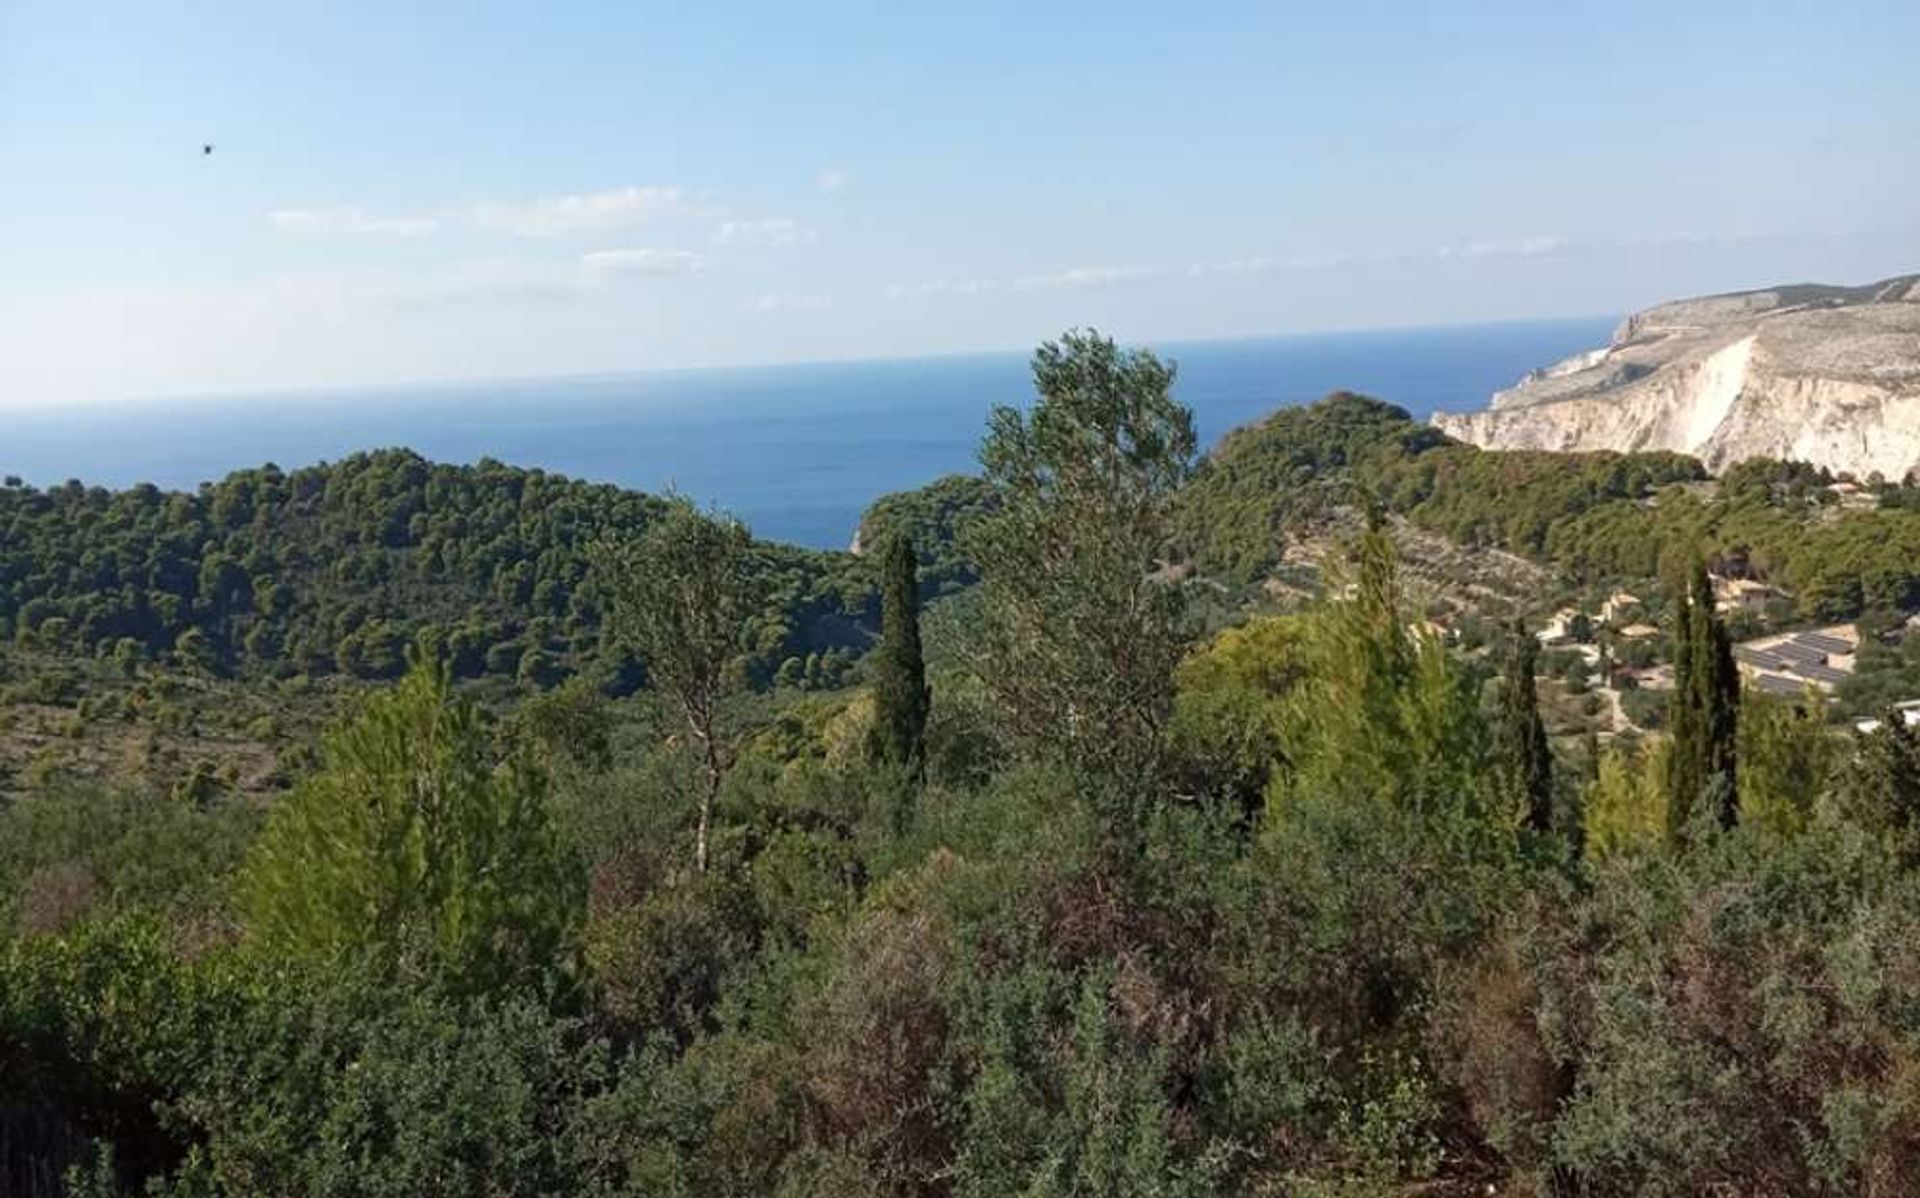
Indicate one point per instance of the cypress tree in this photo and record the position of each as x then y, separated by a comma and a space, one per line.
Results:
1881, 788
1705, 711
1685, 779
900, 695
1525, 757
1723, 724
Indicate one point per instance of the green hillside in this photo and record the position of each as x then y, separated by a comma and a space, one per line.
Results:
337, 568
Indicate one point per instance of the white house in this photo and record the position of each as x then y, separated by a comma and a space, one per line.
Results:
1618, 606
1558, 630
1743, 594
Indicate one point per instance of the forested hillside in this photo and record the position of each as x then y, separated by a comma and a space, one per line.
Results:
1599, 517
1071, 898
933, 517
337, 568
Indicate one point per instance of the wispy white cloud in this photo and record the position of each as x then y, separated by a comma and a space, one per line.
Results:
1092, 277
1685, 237
594, 212
832, 179
486, 282
481, 281
607, 265
1270, 264
1085, 277
897, 291
508, 279
1071, 279
1518, 247
776, 301
767, 232
350, 219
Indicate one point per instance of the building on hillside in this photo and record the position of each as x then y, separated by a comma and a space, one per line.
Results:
1792, 652
1853, 495
1743, 594
1822, 675
1655, 678
1759, 659
1559, 628
1781, 685
1789, 663
1909, 715
1620, 606
1834, 643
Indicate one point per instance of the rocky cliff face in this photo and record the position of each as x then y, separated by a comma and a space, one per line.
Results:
1828, 375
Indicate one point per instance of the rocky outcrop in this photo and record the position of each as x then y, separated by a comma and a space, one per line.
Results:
1828, 375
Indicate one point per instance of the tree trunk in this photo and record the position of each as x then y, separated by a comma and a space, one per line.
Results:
700, 837
701, 724
703, 728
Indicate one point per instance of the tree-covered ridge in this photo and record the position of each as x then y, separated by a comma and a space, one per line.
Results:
1351, 450
1264, 478
932, 518
1835, 559
339, 567
1599, 517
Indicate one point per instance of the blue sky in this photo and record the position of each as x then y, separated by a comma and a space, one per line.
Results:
412, 191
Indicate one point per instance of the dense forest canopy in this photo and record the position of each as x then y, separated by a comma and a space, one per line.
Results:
932, 517
1075, 898
1599, 517
339, 567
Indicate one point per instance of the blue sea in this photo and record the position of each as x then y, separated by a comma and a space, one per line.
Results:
797, 451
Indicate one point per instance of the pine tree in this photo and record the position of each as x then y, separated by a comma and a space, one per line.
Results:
1718, 682
1526, 761
413, 846
1383, 713
900, 695
1705, 711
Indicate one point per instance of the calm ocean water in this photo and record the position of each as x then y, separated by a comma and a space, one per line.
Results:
797, 451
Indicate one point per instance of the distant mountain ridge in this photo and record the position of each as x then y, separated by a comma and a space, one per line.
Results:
1809, 372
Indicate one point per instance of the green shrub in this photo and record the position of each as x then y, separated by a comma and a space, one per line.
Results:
660, 943
410, 845
1748, 1023
344, 1085
116, 850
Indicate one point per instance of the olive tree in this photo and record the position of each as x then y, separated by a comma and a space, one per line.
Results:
682, 594
1082, 621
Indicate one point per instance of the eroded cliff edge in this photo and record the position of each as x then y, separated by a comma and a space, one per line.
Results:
1823, 374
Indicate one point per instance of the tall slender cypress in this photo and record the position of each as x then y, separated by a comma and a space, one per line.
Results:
1705, 711
1525, 757
1684, 781
1723, 728
900, 694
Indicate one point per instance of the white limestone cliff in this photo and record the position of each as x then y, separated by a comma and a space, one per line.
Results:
1828, 375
